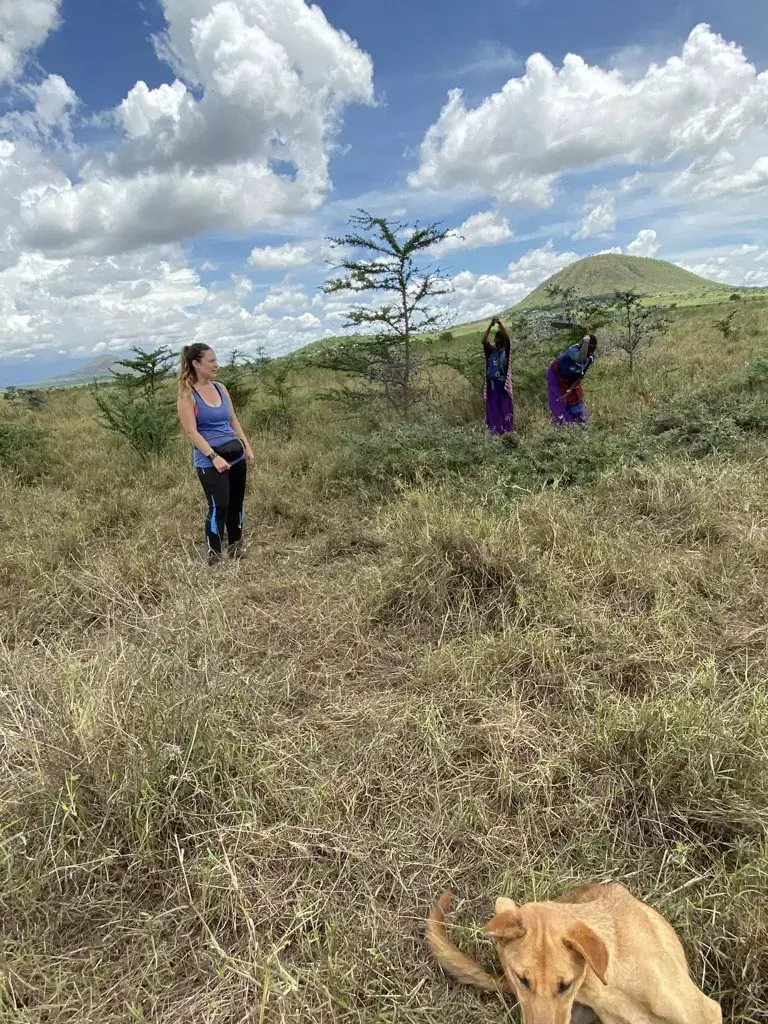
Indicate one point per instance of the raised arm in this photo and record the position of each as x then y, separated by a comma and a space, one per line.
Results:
584, 350
504, 335
486, 343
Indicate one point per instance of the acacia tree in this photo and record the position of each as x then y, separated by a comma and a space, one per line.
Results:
727, 325
575, 313
638, 324
146, 372
138, 404
381, 356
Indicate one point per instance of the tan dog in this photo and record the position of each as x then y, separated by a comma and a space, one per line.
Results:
595, 953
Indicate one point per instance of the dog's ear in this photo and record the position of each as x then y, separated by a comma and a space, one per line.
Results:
504, 903
588, 944
506, 926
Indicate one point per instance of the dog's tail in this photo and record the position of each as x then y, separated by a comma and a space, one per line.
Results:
450, 957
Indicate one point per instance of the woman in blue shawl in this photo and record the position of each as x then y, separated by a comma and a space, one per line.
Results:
564, 377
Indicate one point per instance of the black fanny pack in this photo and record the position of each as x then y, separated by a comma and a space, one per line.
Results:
230, 450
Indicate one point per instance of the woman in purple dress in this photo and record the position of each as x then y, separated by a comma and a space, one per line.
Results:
499, 409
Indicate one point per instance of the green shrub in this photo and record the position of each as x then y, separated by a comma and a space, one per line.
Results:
25, 398
701, 425
139, 406
271, 419
22, 450
414, 452
573, 456
756, 374
147, 423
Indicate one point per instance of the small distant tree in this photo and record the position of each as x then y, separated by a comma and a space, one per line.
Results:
638, 324
277, 380
138, 404
727, 324
756, 374
237, 376
146, 372
576, 312
561, 295
380, 357
25, 398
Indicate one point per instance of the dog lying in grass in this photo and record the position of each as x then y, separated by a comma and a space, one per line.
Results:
595, 954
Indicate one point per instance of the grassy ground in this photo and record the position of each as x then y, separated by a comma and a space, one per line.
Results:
507, 667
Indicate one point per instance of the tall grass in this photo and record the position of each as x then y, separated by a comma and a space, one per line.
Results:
231, 796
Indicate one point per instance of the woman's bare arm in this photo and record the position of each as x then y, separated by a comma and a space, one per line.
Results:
186, 410
486, 343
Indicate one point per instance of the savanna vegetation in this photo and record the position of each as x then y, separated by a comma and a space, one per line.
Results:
504, 665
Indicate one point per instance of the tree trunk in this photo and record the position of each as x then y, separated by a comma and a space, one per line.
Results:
407, 348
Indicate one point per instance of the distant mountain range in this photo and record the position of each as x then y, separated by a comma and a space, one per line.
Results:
96, 369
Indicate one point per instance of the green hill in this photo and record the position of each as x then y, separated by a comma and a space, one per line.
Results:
602, 275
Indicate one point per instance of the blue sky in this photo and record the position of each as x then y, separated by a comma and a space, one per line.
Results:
171, 168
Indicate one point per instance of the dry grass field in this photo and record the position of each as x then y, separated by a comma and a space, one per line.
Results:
510, 666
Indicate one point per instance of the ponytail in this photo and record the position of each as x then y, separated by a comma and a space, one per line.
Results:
190, 354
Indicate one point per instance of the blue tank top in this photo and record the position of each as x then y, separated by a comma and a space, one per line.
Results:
214, 424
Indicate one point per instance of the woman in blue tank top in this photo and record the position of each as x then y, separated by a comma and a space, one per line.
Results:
221, 454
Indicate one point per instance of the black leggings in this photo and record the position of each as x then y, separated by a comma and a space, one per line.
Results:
225, 493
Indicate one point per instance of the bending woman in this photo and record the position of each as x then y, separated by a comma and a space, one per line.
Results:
499, 408
564, 377
221, 453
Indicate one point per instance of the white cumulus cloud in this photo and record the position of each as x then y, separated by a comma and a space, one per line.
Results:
284, 298
24, 26
48, 121
479, 295
516, 143
645, 244
600, 220
481, 229
240, 140
725, 175
737, 265
280, 257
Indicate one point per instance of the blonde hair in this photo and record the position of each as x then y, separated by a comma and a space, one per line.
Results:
190, 355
